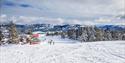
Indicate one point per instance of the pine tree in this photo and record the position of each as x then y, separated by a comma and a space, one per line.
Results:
29, 32
13, 33
63, 35
83, 37
123, 35
115, 35
109, 35
29, 38
1, 35
69, 33
74, 35
91, 33
99, 35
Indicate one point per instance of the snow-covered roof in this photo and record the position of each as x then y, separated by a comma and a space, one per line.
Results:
38, 32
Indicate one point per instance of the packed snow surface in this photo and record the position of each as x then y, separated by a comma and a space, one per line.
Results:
87, 52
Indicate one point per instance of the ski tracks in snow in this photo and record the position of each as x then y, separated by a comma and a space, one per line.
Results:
64, 53
109, 53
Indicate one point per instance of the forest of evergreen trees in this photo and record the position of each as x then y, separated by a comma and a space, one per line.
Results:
93, 33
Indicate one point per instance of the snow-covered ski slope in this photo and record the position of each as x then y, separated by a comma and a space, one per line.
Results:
88, 52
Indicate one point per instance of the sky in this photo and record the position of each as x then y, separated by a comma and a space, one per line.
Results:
62, 11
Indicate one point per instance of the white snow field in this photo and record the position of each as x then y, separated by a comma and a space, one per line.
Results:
88, 52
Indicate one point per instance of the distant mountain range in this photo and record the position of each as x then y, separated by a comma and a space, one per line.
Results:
113, 27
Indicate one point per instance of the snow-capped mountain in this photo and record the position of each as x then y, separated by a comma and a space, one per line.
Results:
112, 27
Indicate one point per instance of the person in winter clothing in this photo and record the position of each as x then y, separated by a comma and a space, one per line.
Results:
51, 42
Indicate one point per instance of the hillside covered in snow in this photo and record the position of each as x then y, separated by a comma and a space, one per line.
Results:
63, 52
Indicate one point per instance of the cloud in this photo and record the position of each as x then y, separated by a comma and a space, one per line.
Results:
86, 7
9, 4
46, 20
3, 18
31, 20
110, 21
62, 11
36, 20
25, 5
13, 4
103, 20
72, 8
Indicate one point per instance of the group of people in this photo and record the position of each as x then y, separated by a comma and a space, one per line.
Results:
51, 42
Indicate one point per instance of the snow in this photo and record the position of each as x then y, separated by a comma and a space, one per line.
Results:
58, 39
87, 52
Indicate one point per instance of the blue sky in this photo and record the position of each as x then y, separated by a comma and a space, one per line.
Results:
60, 11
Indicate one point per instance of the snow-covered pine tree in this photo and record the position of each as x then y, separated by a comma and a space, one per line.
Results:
74, 35
13, 33
82, 34
115, 35
69, 33
63, 35
83, 37
1, 35
123, 35
29, 32
109, 35
99, 34
105, 35
91, 33
119, 35
29, 37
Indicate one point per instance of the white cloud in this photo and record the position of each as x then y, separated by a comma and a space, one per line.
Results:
61, 8
62, 11
110, 21
31, 20
46, 20
89, 23
3, 18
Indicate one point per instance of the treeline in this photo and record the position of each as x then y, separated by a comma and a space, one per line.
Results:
93, 33
10, 35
